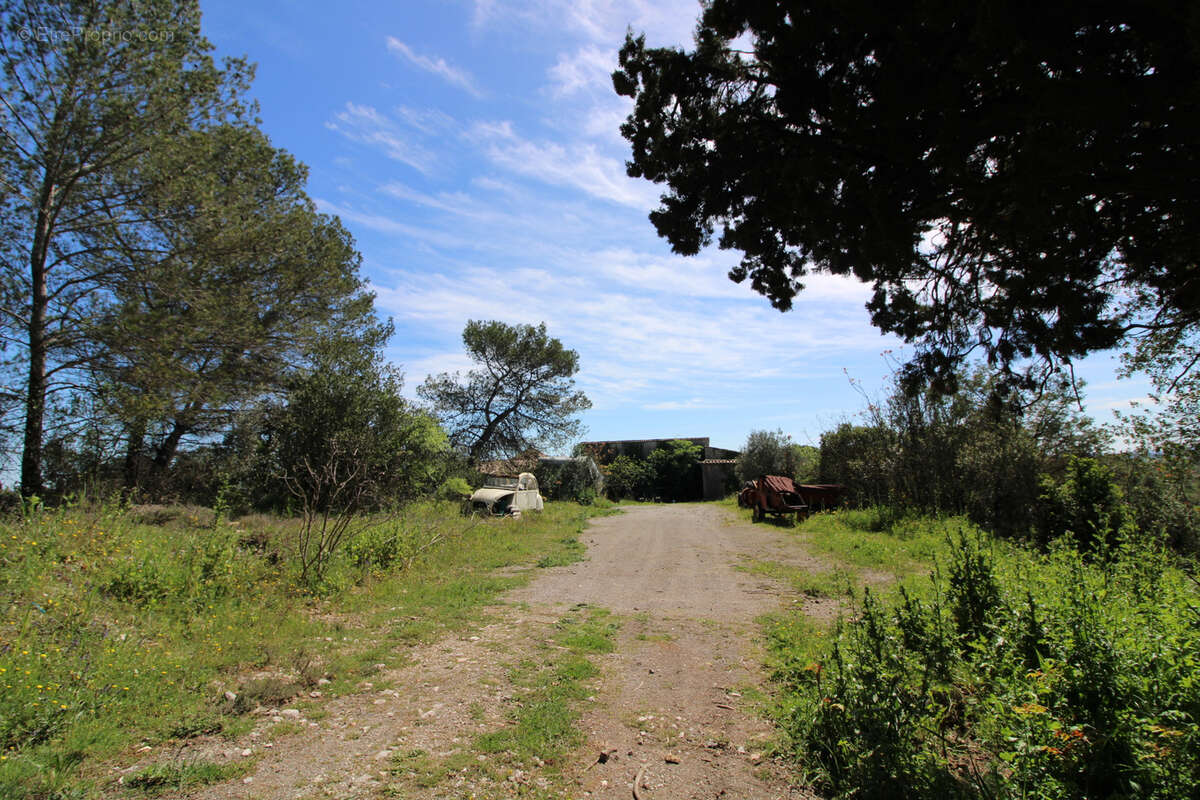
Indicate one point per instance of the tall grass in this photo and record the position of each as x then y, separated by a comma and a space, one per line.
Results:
1000, 673
115, 632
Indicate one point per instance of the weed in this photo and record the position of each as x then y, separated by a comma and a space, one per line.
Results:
1006, 674
543, 725
160, 778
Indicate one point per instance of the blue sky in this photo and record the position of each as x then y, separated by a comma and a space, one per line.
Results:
472, 148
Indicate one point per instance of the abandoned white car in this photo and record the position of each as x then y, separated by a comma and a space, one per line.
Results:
503, 495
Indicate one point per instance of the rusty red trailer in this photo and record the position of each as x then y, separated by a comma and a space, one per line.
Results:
779, 495
775, 495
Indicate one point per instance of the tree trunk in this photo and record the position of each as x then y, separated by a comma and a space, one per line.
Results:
133, 455
35, 398
169, 446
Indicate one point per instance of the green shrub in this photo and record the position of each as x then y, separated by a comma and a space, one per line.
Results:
454, 488
575, 479
628, 477
1009, 674
1086, 505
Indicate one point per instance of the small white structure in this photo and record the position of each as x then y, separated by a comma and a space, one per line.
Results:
503, 495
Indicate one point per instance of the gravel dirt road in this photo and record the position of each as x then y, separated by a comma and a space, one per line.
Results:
673, 708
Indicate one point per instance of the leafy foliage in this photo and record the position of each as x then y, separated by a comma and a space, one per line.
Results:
774, 453
676, 469
1004, 187
577, 479
975, 450
628, 477
522, 396
247, 282
1006, 674
1086, 505
1162, 478
345, 443
79, 111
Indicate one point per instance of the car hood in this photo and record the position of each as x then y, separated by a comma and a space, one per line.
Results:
490, 496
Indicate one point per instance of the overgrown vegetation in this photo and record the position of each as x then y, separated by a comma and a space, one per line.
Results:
1001, 672
578, 479
121, 626
669, 472
997, 456
774, 453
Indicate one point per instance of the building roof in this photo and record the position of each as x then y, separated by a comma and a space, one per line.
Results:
695, 439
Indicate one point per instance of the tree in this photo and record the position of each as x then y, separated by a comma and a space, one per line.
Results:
861, 458
87, 88
1161, 472
675, 465
627, 476
522, 396
346, 441
767, 453
1013, 179
250, 279
806, 461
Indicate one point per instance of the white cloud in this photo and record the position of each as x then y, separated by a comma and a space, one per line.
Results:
573, 164
437, 66
429, 121
679, 405
451, 202
367, 126
588, 69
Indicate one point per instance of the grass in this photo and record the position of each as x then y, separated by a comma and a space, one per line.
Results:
155, 780
543, 725
550, 685
116, 631
838, 582
857, 542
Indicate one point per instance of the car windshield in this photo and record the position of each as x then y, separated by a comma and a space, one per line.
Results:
497, 482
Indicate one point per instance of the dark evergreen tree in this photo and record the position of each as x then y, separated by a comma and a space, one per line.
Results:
1007, 176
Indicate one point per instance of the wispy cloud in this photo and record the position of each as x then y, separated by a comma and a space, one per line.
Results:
366, 125
587, 69
679, 405
437, 66
575, 165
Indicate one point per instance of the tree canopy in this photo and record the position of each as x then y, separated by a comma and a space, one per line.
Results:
80, 107
522, 395
162, 264
1014, 179
675, 466
774, 453
248, 280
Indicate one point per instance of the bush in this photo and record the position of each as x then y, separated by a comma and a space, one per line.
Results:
1087, 505
628, 477
398, 543
454, 489
574, 479
676, 469
1009, 674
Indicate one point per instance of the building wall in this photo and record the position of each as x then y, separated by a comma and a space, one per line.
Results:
716, 476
